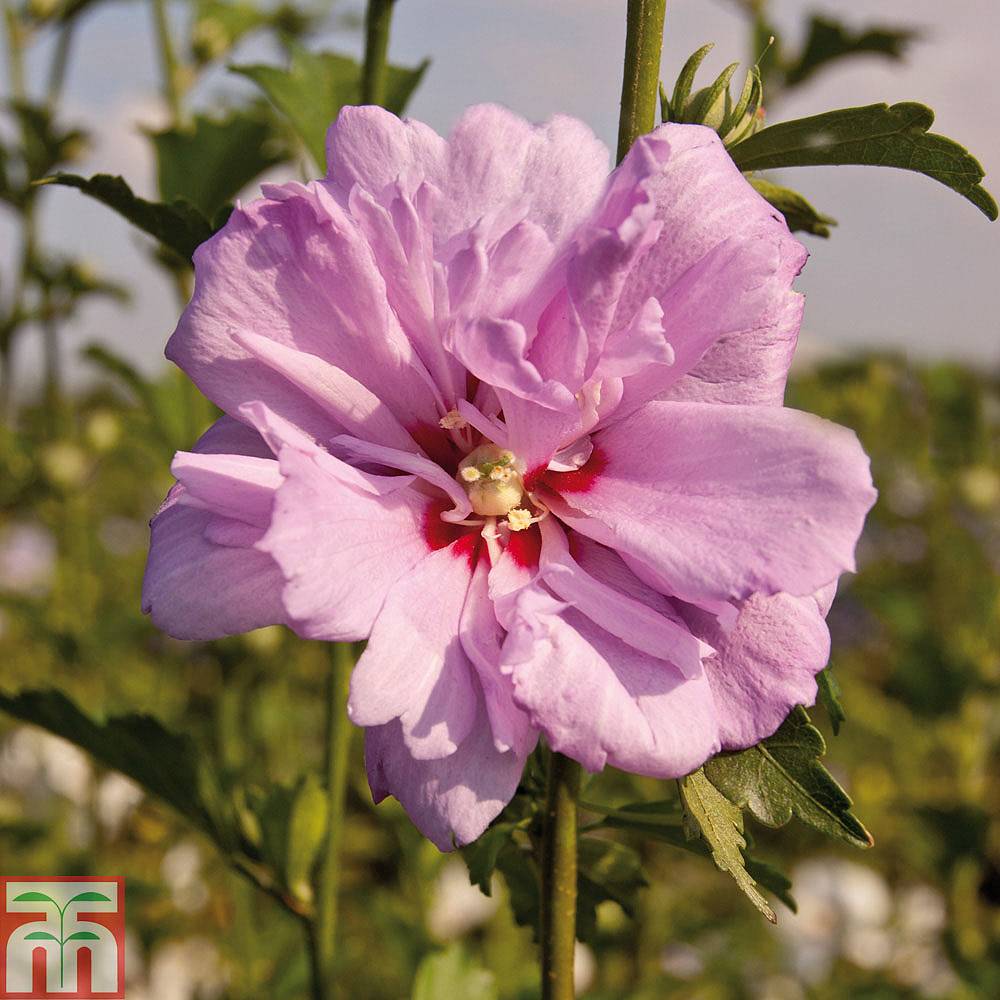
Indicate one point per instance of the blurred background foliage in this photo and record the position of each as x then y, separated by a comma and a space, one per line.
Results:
916, 640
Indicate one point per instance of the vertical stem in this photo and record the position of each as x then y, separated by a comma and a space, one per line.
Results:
14, 36
168, 61
641, 79
60, 62
15, 52
558, 857
373, 74
337, 755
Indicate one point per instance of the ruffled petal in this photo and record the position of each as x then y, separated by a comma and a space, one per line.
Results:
414, 667
294, 268
656, 631
601, 701
203, 578
482, 638
453, 799
342, 539
724, 501
715, 233
763, 666
493, 159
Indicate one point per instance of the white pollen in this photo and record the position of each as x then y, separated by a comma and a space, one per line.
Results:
518, 519
453, 420
470, 474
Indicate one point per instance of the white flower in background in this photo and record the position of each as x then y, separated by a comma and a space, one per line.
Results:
457, 906
36, 762
117, 798
919, 960
584, 968
844, 910
682, 961
27, 558
849, 911
181, 870
182, 970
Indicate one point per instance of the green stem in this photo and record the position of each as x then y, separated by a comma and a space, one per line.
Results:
169, 67
641, 79
558, 863
373, 74
60, 62
15, 52
337, 756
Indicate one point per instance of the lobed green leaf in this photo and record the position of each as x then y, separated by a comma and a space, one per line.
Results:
829, 41
875, 135
720, 823
178, 225
798, 212
829, 695
782, 776
315, 86
208, 161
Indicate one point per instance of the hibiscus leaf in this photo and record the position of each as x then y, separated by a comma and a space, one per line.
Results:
829, 695
208, 161
782, 776
829, 41
875, 135
772, 879
798, 213
520, 873
165, 764
607, 871
720, 823
317, 85
661, 821
177, 225
482, 854
452, 973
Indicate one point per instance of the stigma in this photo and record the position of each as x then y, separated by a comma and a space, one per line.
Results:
492, 479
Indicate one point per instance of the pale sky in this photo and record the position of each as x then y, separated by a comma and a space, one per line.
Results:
912, 266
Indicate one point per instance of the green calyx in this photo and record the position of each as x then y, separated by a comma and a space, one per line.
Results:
714, 106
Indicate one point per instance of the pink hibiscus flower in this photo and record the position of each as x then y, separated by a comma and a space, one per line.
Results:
519, 424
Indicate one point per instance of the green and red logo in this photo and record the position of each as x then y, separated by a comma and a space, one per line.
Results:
62, 938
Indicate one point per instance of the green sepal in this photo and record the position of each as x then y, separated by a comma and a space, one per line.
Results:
709, 107
685, 81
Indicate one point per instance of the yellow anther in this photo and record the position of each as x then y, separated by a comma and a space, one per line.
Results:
453, 420
518, 519
501, 474
470, 474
